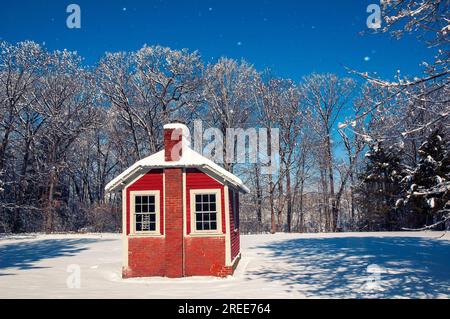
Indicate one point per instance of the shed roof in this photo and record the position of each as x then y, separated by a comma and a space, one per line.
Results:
189, 159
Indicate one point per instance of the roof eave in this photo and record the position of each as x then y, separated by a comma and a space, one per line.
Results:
240, 187
124, 180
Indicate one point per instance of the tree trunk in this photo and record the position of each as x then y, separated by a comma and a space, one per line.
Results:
51, 186
273, 227
334, 209
325, 206
3, 147
289, 200
301, 219
49, 207
258, 198
280, 206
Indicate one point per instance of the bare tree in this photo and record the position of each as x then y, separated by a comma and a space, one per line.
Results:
326, 96
18, 72
229, 95
64, 101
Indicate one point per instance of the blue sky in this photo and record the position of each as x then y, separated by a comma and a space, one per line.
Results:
294, 38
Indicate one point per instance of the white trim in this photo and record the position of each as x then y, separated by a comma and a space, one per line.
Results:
157, 232
208, 233
184, 204
235, 258
164, 200
124, 229
183, 246
227, 228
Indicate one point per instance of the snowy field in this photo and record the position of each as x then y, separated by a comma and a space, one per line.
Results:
402, 265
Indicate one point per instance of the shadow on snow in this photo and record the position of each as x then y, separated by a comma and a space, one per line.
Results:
338, 267
24, 255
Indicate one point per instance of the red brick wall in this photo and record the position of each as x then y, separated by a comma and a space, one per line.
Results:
144, 257
205, 256
234, 236
174, 222
196, 179
152, 181
144, 254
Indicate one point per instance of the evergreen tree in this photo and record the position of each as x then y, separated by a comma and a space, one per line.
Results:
428, 196
381, 186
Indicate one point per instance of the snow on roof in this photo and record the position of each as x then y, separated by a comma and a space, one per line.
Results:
189, 159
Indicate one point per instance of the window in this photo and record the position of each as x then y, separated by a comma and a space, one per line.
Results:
206, 212
145, 208
234, 199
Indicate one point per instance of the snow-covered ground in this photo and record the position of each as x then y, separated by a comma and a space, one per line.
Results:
360, 265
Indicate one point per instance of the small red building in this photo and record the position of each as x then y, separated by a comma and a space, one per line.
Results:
180, 213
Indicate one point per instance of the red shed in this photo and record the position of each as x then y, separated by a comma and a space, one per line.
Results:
180, 213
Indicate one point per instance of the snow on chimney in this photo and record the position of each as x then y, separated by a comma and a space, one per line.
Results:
176, 137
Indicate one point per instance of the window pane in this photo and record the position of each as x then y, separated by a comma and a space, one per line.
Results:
205, 212
145, 213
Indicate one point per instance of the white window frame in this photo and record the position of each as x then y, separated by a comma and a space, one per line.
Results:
157, 231
218, 194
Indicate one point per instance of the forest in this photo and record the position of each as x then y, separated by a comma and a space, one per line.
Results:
357, 152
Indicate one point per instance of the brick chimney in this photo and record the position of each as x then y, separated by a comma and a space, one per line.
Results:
176, 137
